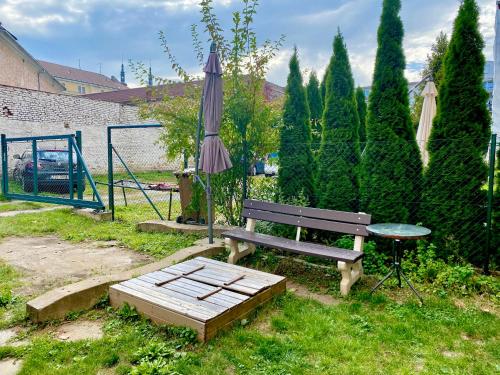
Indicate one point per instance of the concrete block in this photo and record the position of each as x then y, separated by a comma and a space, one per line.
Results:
92, 214
174, 227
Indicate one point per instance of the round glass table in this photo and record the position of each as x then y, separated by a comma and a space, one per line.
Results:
398, 232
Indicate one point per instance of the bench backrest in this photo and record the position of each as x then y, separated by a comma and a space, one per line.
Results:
307, 217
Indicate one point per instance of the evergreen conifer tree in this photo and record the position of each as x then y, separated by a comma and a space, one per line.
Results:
391, 167
316, 110
338, 160
453, 199
295, 174
361, 103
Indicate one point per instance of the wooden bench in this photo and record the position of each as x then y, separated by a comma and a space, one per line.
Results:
348, 261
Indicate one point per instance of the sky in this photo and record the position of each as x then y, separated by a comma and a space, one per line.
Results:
99, 34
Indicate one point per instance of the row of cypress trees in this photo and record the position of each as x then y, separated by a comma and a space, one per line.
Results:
324, 131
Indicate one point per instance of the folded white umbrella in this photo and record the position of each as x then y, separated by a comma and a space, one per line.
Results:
427, 116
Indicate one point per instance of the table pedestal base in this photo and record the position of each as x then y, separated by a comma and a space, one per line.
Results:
396, 267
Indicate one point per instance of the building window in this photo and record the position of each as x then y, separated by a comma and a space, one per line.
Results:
81, 89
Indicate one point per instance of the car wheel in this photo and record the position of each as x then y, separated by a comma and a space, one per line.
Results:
27, 186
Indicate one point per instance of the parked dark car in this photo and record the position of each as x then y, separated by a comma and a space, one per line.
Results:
53, 171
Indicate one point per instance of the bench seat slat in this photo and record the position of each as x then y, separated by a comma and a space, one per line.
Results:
314, 213
303, 248
306, 222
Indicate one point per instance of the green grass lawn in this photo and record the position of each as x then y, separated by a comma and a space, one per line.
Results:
387, 333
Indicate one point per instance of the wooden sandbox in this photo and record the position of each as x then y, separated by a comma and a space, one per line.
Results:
204, 294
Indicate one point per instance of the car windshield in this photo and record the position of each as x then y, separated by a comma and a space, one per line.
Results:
60, 156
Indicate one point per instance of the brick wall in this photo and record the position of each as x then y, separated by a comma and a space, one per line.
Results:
32, 112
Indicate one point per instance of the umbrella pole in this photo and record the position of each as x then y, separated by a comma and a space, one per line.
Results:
198, 133
209, 213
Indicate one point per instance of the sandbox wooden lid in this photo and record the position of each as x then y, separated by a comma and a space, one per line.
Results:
200, 288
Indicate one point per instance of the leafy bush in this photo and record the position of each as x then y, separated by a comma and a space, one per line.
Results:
6, 298
264, 189
128, 313
374, 263
155, 359
442, 277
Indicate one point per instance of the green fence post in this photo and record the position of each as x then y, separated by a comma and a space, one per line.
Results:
111, 192
491, 178
5, 171
34, 152
79, 175
70, 169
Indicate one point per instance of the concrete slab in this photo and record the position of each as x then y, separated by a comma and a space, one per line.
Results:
173, 227
83, 295
10, 366
79, 330
92, 214
6, 335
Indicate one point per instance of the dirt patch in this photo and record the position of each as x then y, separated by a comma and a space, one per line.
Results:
49, 262
79, 330
302, 291
10, 366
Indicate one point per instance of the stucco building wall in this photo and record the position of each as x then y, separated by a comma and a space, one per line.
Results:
20, 71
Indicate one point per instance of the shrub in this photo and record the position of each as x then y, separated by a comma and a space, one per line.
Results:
391, 175
453, 200
337, 185
296, 163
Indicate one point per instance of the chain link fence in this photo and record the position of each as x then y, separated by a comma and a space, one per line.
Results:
453, 196
144, 184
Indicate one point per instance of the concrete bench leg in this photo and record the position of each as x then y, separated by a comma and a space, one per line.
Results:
351, 272
237, 253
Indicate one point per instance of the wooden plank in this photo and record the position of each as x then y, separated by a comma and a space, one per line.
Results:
214, 282
315, 213
182, 289
223, 276
176, 290
303, 248
306, 222
226, 272
231, 316
159, 301
167, 302
155, 312
172, 299
226, 294
269, 277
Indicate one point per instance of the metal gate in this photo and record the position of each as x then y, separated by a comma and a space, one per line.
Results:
48, 169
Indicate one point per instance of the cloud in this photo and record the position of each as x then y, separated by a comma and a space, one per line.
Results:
25, 17
97, 31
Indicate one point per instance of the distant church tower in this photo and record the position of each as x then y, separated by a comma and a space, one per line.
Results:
496, 77
150, 76
122, 74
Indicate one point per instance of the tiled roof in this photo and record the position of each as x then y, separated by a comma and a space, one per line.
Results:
129, 96
67, 72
